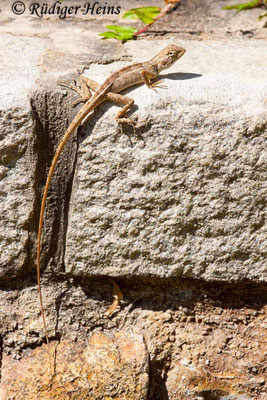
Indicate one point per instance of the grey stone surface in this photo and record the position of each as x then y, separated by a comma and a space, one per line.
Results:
187, 200
17, 159
16, 189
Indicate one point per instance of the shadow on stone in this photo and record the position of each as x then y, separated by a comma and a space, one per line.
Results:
180, 76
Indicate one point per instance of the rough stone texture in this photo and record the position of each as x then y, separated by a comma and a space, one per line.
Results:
17, 159
24, 135
188, 198
105, 368
205, 340
16, 189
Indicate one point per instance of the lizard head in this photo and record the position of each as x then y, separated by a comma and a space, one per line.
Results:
168, 56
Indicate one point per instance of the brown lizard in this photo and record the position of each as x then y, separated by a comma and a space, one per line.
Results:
125, 77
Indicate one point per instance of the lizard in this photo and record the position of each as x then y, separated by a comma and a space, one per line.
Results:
131, 75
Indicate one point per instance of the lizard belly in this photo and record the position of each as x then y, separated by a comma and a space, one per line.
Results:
127, 80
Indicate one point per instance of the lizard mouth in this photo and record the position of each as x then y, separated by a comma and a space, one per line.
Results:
181, 52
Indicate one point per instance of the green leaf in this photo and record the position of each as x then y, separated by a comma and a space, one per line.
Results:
243, 6
145, 14
119, 32
263, 16
121, 29
108, 35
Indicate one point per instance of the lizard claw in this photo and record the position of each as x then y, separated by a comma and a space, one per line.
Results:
130, 121
157, 85
133, 118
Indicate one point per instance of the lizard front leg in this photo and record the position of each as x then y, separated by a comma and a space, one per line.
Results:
148, 77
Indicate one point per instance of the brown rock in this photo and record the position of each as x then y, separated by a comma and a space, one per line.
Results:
107, 367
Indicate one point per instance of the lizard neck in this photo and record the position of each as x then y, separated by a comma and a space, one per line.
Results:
155, 66
159, 64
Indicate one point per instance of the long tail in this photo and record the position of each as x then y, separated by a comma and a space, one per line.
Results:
89, 106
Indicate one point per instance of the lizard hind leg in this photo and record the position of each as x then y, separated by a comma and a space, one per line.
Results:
83, 87
120, 117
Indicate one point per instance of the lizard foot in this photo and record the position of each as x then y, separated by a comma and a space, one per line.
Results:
80, 88
157, 85
130, 121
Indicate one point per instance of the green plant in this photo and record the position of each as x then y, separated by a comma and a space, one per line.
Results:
248, 5
148, 15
